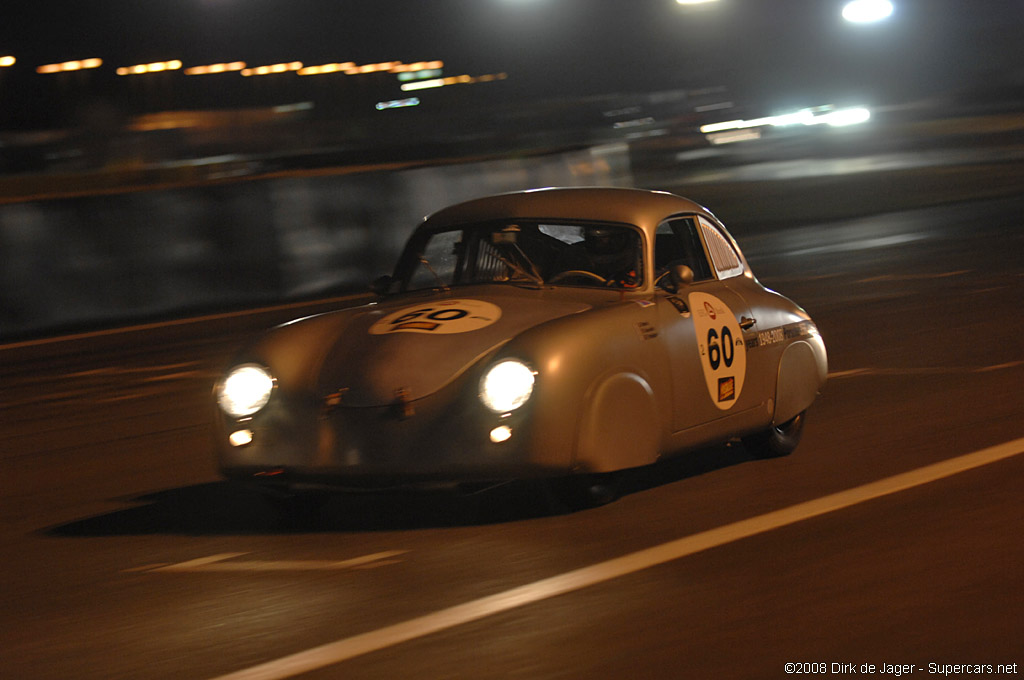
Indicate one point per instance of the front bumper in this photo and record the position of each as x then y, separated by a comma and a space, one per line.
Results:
434, 439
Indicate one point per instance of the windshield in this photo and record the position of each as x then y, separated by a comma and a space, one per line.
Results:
525, 253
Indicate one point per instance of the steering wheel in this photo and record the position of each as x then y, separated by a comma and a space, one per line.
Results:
582, 273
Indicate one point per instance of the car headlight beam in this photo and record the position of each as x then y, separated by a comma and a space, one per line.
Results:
245, 390
506, 385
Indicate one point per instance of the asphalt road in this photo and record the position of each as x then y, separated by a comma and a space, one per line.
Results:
125, 557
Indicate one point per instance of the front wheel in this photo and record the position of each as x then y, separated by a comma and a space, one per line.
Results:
777, 440
297, 511
582, 492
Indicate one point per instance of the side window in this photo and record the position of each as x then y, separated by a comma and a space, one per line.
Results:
727, 262
677, 242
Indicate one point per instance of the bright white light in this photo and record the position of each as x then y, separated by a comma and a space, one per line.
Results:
867, 11
817, 116
245, 390
506, 386
423, 84
844, 117
694, 2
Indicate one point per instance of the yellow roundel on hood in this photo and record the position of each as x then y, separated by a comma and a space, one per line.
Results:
441, 317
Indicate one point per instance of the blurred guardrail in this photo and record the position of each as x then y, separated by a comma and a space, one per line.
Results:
82, 251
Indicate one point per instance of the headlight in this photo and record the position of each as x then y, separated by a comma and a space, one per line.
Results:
245, 390
506, 386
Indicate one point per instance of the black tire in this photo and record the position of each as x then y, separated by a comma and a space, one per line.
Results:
571, 494
298, 511
777, 440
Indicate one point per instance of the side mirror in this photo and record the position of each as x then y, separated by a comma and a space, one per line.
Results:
681, 275
381, 285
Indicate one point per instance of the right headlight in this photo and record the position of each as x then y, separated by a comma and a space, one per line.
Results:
245, 390
506, 385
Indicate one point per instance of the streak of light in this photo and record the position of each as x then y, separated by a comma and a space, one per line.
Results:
215, 68
452, 80
271, 69
398, 103
342, 67
75, 65
823, 115
155, 67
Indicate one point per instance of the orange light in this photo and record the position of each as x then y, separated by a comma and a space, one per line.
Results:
76, 65
272, 68
417, 66
155, 67
322, 69
215, 68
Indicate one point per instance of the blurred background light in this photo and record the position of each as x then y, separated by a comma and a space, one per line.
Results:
155, 67
867, 11
398, 103
7, 61
215, 68
76, 65
270, 69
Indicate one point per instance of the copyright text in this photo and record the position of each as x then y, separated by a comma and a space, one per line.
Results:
900, 669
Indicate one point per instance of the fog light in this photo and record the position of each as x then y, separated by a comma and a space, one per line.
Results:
500, 434
240, 437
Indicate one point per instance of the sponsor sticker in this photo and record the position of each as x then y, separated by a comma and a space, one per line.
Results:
726, 389
444, 317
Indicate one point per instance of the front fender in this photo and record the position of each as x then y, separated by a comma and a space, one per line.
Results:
619, 426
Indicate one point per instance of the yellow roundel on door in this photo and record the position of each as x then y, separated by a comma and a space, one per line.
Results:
723, 354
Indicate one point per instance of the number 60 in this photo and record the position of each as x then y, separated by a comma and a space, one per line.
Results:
719, 354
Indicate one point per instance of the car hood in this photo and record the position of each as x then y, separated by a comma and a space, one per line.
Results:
413, 348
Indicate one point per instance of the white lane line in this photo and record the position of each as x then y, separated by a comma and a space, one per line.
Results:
348, 648
926, 370
219, 563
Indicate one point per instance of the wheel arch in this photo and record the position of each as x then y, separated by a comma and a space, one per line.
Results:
802, 373
619, 427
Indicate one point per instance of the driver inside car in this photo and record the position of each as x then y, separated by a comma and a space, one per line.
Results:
609, 252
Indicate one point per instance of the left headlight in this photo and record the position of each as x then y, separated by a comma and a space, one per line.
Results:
506, 385
245, 390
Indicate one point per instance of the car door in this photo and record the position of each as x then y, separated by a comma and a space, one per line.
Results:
703, 325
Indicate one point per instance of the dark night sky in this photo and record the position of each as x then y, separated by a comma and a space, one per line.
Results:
776, 50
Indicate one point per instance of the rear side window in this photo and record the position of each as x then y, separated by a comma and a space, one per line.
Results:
725, 260
677, 242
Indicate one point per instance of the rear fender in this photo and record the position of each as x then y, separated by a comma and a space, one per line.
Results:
802, 373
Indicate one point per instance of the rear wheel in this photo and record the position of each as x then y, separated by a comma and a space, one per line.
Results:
777, 440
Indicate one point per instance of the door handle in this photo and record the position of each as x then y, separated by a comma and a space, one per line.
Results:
746, 323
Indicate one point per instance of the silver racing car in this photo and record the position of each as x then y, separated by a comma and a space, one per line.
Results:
555, 333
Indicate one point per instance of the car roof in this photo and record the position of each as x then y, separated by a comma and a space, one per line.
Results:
643, 208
